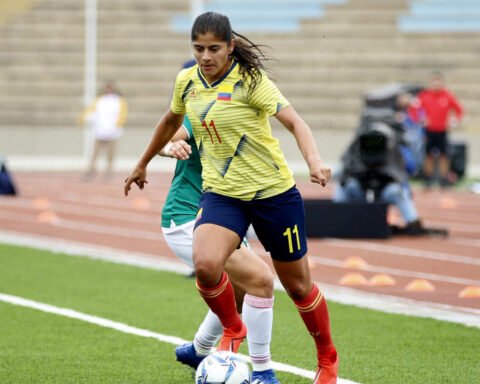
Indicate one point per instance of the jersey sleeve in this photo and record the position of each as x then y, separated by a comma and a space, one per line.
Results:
177, 105
267, 97
188, 126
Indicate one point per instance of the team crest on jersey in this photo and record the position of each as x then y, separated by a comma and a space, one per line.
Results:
192, 94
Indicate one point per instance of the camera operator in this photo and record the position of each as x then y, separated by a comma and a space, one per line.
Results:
373, 167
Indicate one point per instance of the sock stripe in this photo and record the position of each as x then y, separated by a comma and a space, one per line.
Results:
313, 305
210, 293
258, 302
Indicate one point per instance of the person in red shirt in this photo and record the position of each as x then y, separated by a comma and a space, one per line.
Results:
442, 112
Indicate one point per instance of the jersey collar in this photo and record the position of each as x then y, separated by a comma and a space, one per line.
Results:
215, 83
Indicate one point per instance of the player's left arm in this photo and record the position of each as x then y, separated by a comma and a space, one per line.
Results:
319, 172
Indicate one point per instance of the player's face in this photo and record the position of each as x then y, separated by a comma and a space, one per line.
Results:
212, 55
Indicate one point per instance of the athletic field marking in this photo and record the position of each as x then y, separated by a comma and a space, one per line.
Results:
15, 300
155, 236
87, 227
384, 303
71, 208
398, 272
404, 251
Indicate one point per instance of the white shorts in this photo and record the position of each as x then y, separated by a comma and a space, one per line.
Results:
180, 240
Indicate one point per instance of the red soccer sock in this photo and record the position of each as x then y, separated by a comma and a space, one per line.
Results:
314, 312
221, 300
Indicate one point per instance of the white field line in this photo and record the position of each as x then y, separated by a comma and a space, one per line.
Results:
75, 209
455, 226
149, 235
465, 241
88, 227
15, 300
398, 272
396, 250
384, 303
154, 236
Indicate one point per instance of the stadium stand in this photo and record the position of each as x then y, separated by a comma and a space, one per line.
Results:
335, 53
442, 16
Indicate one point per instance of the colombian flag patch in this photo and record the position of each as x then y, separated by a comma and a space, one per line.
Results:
225, 92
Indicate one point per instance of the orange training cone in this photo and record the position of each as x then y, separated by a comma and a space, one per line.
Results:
48, 217
354, 262
420, 285
353, 279
470, 292
382, 280
448, 203
40, 203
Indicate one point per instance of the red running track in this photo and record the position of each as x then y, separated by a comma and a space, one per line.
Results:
63, 206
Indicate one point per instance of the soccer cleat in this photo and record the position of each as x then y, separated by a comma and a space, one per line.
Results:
327, 373
187, 355
231, 340
264, 377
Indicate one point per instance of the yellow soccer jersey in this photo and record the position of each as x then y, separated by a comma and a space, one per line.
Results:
240, 158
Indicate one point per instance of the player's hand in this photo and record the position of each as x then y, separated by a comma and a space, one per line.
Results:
320, 173
138, 176
180, 150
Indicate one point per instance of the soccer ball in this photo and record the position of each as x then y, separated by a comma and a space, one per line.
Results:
223, 367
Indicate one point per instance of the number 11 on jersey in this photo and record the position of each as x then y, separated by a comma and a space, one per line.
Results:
212, 124
288, 233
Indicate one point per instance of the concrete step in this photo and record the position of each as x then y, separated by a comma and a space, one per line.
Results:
304, 59
292, 44
150, 119
60, 73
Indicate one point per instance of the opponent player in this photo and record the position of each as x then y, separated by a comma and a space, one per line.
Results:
228, 98
247, 271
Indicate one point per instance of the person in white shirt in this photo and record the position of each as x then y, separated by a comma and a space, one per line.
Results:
106, 116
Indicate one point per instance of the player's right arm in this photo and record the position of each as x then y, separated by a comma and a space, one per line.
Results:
166, 128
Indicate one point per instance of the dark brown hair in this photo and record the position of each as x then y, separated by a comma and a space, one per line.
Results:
248, 54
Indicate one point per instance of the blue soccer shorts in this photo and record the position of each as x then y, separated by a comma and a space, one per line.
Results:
279, 221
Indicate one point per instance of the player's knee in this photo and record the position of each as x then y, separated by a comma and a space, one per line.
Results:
207, 270
264, 283
298, 289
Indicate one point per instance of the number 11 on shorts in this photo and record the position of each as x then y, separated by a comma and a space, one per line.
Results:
288, 233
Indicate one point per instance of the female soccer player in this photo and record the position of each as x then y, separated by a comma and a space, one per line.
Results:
250, 275
228, 98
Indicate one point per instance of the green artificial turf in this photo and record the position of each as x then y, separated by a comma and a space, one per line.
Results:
37, 347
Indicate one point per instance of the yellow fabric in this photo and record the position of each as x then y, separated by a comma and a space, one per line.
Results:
240, 158
122, 116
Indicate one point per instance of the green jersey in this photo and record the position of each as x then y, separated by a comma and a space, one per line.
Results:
182, 201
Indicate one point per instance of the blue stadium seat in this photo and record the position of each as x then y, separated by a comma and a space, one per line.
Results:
261, 16
442, 16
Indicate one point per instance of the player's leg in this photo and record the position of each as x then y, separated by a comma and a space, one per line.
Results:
111, 149
251, 274
443, 159
280, 225
221, 224
429, 161
180, 241
93, 158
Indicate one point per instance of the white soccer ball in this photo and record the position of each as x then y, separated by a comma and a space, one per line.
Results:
222, 367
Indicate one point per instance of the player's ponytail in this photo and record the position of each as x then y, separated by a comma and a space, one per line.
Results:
248, 55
